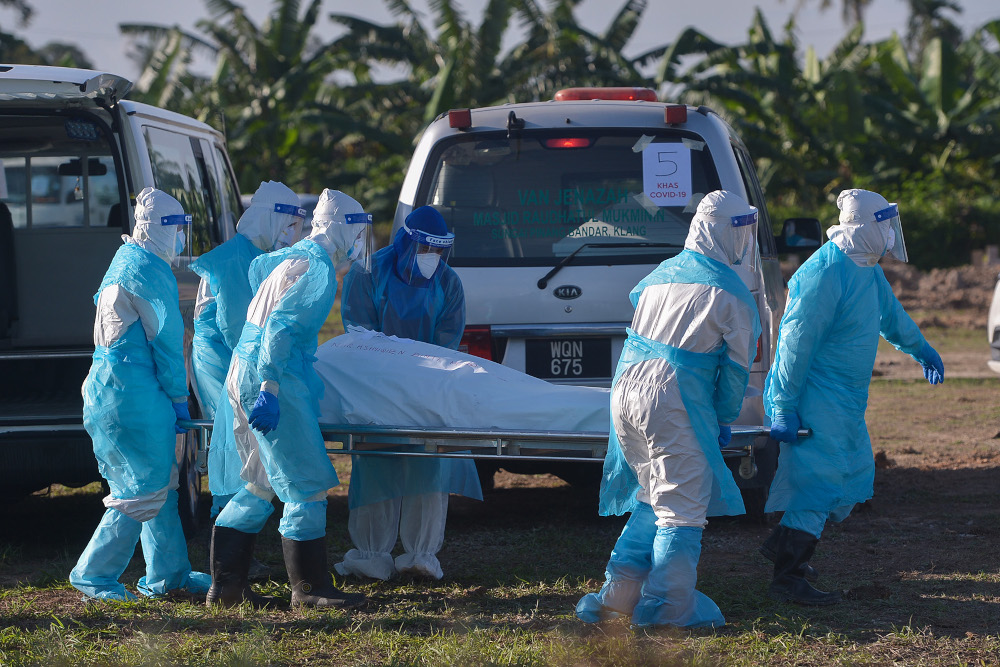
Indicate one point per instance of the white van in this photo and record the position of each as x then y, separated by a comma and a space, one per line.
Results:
74, 155
559, 208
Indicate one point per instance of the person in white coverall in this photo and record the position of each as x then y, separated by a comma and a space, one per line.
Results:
274, 392
839, 302
272, 221
680, 381
411, 292
133, 396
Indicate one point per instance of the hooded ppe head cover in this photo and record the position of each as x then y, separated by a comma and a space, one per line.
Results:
869, 228
422, 245
160, 224
341, 226
274, 218
724, 228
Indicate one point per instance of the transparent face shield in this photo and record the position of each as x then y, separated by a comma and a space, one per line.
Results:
362, 247
426, 254
178, 223
744, 229
895, 246
292, 217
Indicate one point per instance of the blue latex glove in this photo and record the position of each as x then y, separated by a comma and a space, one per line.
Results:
182, 412
725, 435
265, 413
785, 427
931, 361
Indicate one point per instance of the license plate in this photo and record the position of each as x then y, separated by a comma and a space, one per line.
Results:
567, 358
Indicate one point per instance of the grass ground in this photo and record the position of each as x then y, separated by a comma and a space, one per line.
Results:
918, 564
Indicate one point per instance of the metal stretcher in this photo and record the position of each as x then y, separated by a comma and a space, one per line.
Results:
492, 444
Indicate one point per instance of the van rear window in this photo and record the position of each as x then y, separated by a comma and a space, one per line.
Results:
58, 171
610, 197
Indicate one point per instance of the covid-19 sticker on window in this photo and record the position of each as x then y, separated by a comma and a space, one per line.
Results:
666, 173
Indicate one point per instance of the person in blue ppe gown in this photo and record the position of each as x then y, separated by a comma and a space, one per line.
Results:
274, 393
133, 396
680, 382
839, 303
272, 221
411, 292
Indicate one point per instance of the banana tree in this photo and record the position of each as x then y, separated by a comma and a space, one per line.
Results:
164, 55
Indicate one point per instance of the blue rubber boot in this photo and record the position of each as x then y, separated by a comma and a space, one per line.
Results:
668, 594
107, 555
165, 550
627, 569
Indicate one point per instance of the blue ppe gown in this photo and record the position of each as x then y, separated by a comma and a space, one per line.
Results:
282, 351
653, 569
825, 354
431, 313
217, 329
127, 412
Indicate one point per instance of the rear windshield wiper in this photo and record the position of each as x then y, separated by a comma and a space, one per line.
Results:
544, 280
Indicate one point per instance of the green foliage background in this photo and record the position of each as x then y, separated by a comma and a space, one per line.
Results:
914, 117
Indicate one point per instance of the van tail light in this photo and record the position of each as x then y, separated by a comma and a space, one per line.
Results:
759, 347
460, 119
477, 341
674, 114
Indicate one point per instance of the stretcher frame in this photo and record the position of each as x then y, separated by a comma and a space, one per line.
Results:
458, 443
488, 444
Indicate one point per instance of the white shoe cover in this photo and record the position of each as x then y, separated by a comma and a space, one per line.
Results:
419, 565
373, 564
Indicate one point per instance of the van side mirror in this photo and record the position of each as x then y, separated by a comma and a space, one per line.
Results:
800, 235
75, 167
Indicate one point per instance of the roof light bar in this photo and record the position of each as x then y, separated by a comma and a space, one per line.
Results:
605, 93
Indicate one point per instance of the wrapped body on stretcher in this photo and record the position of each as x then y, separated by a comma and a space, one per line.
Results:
371, 378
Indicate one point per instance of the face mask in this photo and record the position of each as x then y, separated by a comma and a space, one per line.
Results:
892, 241
287, 237
427, 263
358, 247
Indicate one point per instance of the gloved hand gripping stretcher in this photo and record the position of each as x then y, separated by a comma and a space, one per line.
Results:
388, 396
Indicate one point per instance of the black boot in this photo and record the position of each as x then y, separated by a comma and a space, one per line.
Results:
258, 570
309, 577
770, 546
795, 547
230, 553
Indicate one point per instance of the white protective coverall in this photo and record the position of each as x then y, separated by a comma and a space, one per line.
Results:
278, 435
683, 372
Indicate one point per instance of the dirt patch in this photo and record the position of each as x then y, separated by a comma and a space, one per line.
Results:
960, 288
